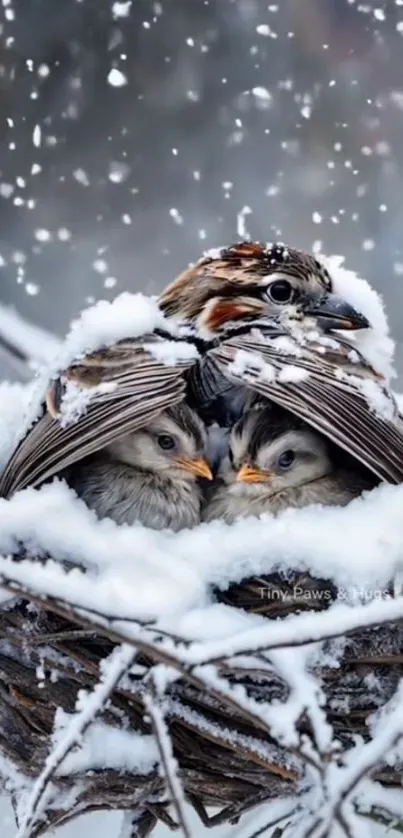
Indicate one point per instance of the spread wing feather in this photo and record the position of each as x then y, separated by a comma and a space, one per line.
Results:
331, 402
143, 386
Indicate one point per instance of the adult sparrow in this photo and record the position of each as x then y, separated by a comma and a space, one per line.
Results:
276, 461
267, 315
260, 320
149, 476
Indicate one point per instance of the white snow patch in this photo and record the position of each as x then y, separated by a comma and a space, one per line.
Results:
262, 94
137, 573
75, 399
241, 224
176, 216
172, 352
375, 344
294, 374
105, 323
37, 136
116, 78
214, 253
106, 747
121, 9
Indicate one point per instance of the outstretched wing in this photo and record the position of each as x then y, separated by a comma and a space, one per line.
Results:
127, 385
331, 397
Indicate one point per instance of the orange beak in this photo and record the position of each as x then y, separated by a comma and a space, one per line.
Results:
248, 474
199, 467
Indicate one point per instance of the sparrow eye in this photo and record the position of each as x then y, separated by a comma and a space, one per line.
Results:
286, 459
166, 442
280, 291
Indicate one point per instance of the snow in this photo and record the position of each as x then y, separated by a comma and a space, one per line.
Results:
376, 344
76, 400
106, 747
172, 352
262, 93
116, 78
246, 362
241, 224
70, 734
176, 216
142, 574
293, 374
103, 324
128, 316
377, 400
106, 824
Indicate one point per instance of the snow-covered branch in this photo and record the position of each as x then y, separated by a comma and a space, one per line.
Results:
113, 670
169, 766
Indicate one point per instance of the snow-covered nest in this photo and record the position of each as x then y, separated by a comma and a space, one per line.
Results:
224, 666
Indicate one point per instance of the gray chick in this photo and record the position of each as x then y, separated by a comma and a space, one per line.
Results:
150, 476
276, 461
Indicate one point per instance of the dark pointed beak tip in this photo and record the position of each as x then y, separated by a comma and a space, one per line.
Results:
358, 321
333, 312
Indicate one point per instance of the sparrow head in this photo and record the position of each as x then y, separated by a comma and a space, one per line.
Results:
271, 451
172, 445
249, 281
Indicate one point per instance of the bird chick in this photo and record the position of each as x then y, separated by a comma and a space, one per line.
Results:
150, 476
277, 461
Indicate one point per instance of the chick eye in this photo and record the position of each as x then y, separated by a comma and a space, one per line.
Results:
280, 291
286, 459
166, 442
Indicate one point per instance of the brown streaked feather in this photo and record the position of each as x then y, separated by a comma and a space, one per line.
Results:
334, 406
232, 271
144, 387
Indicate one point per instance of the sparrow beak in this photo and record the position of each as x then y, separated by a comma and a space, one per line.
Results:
248, 474
199, 467
333, 312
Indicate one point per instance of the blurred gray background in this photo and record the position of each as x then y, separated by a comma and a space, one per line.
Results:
134, 134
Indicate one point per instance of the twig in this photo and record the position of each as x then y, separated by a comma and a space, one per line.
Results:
344, 780
137, 826
119, 662
180, 657
299, 630
168, 761
274, 823
144, 639
383, 818
55, 637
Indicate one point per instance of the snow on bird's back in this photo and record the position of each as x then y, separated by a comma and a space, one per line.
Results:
105, 323
374, 344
